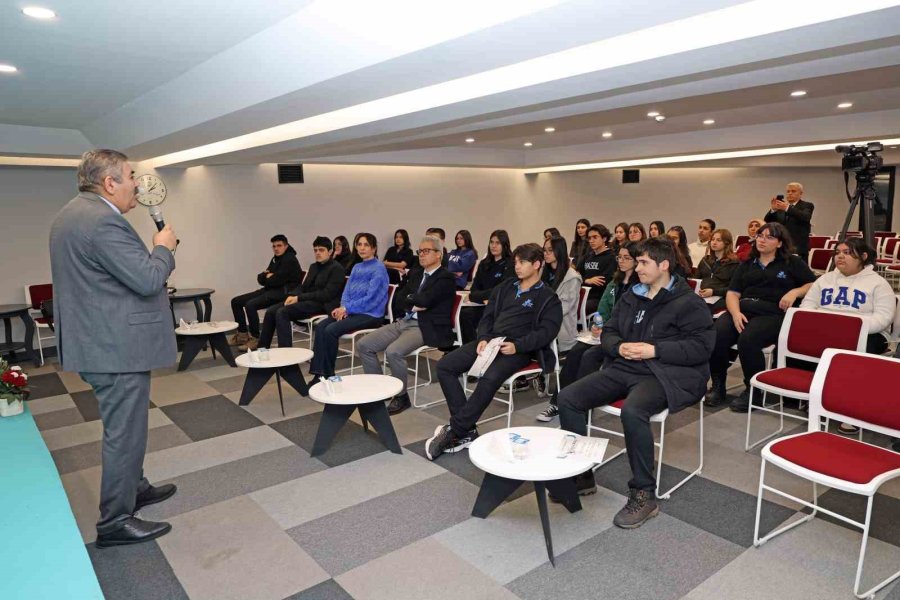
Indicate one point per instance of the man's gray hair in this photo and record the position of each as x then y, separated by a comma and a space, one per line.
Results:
96, 165
799, 185
435, 242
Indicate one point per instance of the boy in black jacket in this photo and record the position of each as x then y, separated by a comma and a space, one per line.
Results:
598, 265
528, 314
423, 306
658, 341
282, 274
319, 294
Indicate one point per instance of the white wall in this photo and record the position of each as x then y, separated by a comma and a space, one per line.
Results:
225, 215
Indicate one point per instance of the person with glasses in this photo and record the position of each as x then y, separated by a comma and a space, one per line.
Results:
495, 267
282, 274
598, 266
760, 292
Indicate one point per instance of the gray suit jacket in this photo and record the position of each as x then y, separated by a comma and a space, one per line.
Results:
109, 297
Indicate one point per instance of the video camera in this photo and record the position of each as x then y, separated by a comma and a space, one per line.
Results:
859, 159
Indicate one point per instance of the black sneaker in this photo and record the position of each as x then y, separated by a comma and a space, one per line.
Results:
442, 440
540, 386
741, 404
641, 506
548, 414
398, 404
585, 485
463, 442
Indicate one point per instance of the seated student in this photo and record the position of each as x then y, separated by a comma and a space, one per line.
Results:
761, 290
399, 257
658, 342
426, 303
584, 359
683, 265
362, 307
656, 229
496, 266
717, 268
698, 249
355, 258
438, 231
320, 293
579, 241
636, 232
462, 258
281, 275
743, 250
620, 236
597, 266
550, 233
529, 315
342, 254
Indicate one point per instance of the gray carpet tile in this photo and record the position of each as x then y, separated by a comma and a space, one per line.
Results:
236, 478
327, 590
139, 572
210, 417
885, 513
354, 536
351, 442
664, 559
42, 386
87, 404
58, 418
228, 384
85, 456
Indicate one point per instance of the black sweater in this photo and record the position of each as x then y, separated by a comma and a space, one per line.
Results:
323, 284
598, 265
490, 272
286, 272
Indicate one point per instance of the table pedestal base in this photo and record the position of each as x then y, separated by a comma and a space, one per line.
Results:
335, 415
257, 377
194, 343
494, 490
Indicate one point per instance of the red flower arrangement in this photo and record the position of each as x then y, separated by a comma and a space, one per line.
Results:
13, 381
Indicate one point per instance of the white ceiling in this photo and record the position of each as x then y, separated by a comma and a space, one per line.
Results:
173, 77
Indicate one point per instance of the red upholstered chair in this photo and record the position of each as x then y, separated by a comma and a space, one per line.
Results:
353, 335
889, 253
35, 295
615, 410
741, 239
582, 307
855, 388
818, 241
694, 283
832, 244
804, 335
820, 260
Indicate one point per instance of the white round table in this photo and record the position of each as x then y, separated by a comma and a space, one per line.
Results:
365, 393
503, 474
283, 363
196, 337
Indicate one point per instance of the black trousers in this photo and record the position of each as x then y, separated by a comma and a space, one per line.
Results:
465, 413
581, 360
279, 317
469, 317
759, 332
644, 397
250, 303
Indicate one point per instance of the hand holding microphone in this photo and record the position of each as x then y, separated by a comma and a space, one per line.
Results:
165, 235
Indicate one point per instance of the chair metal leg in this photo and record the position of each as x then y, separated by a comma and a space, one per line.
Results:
870, 593
747, 445
697, 471
416, 385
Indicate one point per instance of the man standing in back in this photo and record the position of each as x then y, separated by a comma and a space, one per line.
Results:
795, 214
113, 326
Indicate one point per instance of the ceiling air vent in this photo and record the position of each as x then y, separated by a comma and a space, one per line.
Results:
290, 173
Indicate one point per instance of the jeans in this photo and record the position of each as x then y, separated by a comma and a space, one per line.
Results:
327, 339
252, 302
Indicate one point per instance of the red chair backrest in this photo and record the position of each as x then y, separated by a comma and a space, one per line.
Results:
890, 247
818, 241
820, 258
741, 239
885, 234
455, 314
692, 283
811, 332
862, 386
831, 244
39, 293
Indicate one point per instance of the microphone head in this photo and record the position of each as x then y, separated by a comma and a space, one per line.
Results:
156, 213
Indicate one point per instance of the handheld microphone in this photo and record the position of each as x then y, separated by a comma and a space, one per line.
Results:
156, 215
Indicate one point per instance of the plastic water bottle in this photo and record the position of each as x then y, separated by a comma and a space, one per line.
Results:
596, 325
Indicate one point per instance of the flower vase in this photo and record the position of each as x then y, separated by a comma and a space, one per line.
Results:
11, 406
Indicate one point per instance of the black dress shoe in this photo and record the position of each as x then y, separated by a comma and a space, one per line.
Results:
152, 495
398, 404
133, 531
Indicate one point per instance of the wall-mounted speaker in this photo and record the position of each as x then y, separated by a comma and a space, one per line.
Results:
631, 175
290, 173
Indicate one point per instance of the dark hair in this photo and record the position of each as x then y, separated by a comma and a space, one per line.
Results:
437, 231
639, 227
710, 222
501, 235
858, 247
681, 248
404, 234
373, 241
660, 227
345, 246
467, 240
554, 232
279, 237
561, 252
778, 231
600, 230
530, 252
322, 242
631, 247
658, 250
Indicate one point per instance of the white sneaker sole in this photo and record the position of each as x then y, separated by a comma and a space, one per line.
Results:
429, 440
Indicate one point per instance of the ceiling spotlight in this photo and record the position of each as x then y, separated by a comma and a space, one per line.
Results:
470, 140
845, 105
607, 134
652, 114
7, 69
660, 118
709, 122
36, 12
549, 129
528, 144
798, 93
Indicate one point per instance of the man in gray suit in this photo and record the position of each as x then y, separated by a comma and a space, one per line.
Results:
113, 327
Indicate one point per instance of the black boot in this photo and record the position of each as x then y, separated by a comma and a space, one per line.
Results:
716, 394
742, 404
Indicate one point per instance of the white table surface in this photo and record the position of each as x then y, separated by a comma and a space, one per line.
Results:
358, 389
208, 328
488, 454
278, 357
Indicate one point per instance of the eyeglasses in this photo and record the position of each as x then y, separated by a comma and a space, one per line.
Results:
623, 258
768, 238
426, 250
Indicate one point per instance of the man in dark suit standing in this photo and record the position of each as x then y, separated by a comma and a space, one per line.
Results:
112, 327
424, 305
796, 215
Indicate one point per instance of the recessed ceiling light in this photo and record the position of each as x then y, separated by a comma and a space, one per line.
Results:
470, 140
549, 129
607, 134
660, 118
798, 93
7, 69
892, 147
36, 12
528, 144
709, 122
845, 105
653, 113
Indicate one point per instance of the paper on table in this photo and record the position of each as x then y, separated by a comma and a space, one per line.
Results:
592, 449
587, 338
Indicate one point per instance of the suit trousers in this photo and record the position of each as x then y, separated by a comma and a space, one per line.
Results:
465, 413
396, 340
250, 303
328, 338
124, 401
279, 317
644, 397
